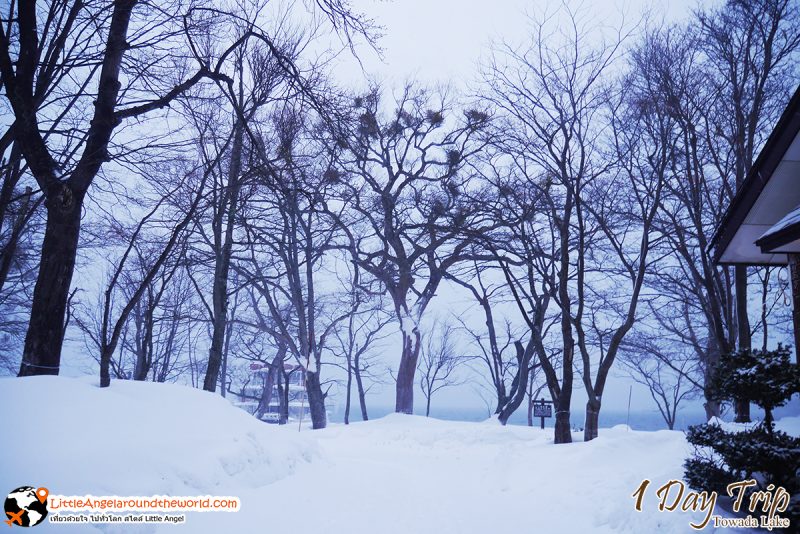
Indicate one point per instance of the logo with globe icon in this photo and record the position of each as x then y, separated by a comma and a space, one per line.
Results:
26, 506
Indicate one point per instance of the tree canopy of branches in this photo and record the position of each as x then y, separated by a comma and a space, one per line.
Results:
405, 176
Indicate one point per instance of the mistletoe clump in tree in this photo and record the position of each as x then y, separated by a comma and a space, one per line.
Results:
760, 452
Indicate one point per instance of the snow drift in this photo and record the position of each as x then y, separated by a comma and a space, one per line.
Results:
396, 475
135, 438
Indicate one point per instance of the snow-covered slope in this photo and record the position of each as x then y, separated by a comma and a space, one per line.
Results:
409, 474
399, 474
135, 438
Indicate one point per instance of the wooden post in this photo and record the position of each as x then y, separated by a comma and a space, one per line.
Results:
542, 417
794, 275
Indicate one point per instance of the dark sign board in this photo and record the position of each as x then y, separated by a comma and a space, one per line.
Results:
542, 410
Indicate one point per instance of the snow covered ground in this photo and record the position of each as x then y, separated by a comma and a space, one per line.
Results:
399, 474
136, 438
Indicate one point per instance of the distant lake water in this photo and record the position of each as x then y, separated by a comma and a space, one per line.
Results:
638, 420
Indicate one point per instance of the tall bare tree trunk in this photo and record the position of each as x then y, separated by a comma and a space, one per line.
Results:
563, 430
362, 395
220, 305
283, 395
43, 341
45, 336
349, 389
743, 327
106, 353
591, 426
223, 251
316, 401
520, 383
144, 339
266, 393
404, 402
223, 376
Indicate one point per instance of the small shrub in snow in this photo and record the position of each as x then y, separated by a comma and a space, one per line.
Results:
722, 456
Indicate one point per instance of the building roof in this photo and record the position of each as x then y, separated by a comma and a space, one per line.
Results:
784, 236
770, 191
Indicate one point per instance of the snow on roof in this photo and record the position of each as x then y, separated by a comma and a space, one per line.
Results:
791, 218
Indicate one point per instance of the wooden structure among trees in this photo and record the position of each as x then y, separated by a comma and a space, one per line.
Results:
762, 224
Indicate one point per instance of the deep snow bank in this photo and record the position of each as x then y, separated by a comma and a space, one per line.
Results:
135, 438
395, 475
411, 474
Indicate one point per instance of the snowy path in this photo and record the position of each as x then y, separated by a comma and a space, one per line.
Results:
411, 475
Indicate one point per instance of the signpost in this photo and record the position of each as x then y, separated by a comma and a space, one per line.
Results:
542, 409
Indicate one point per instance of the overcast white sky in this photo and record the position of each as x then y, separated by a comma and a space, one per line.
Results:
442, 41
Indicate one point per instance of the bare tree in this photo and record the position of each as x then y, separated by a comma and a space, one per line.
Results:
260, 81
672, 79
722, 80
110, 328
130, 51
88, 45
261, 340
19, 231
293, 234
407, 214
439, 362
368, 373
143, 315
17, 213
668, 384
625, 205
356, 338
276, 371
549, 96
508, 375
159, 330
750, 48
